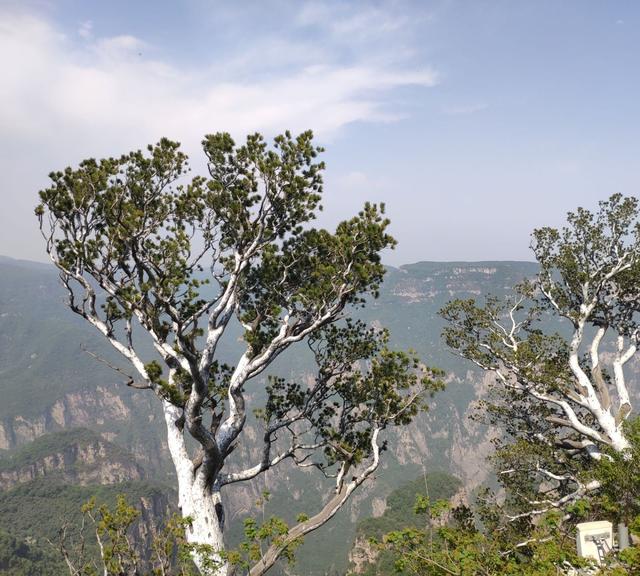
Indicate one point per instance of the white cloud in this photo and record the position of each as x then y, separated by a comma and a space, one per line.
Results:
85, 29
364, 23
464, 109
363, 20
116, 86
62, 100
386, 33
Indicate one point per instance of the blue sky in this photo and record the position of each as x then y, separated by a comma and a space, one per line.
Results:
474, 121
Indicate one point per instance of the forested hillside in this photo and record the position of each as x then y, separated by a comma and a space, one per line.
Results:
50, 385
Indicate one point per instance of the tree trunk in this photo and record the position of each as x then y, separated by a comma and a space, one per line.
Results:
619, 441
196, 501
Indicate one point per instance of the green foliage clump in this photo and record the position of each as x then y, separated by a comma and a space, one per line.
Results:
619, 474
112, 529
463, 542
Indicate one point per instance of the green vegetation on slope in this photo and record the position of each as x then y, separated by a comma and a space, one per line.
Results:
400, 514
35, 511
24, 558
34, 321
401, 503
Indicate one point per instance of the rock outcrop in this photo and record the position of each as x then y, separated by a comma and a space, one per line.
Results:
76, 456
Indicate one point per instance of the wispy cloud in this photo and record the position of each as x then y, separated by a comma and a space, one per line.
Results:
67, 96
118, 86
464, 109
362, 23
85, 29
385, 33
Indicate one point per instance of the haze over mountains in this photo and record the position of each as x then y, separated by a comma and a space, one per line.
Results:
67, 418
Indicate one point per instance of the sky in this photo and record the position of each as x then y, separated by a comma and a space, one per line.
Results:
474, 121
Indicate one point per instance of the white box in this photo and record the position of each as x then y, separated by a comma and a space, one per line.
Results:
588, 533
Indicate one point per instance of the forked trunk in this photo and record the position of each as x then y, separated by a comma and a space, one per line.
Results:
197, 502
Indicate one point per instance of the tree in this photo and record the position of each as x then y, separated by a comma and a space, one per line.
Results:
481, 540
146, 252
452, 544
562, 397
107, 541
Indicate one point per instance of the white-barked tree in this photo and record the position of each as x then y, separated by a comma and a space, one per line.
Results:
146, 251
560, 349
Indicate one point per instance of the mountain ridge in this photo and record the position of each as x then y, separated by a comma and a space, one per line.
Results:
50, 384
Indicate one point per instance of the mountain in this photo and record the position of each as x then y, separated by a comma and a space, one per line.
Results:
44, 484
33, 513
76, 456
398, 514
50, 386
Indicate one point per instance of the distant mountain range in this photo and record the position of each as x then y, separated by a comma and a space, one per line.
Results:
50, 387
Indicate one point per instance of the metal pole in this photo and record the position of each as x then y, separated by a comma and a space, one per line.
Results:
623, 536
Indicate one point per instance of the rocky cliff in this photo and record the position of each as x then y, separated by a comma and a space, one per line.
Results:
49, 384
75, 456
44, 484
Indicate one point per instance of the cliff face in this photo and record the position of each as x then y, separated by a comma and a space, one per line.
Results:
48, 384
109, 409
76, 456
44, 484
362, 555
85, 408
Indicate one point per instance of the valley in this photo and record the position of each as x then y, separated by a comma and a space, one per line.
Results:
69, 421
